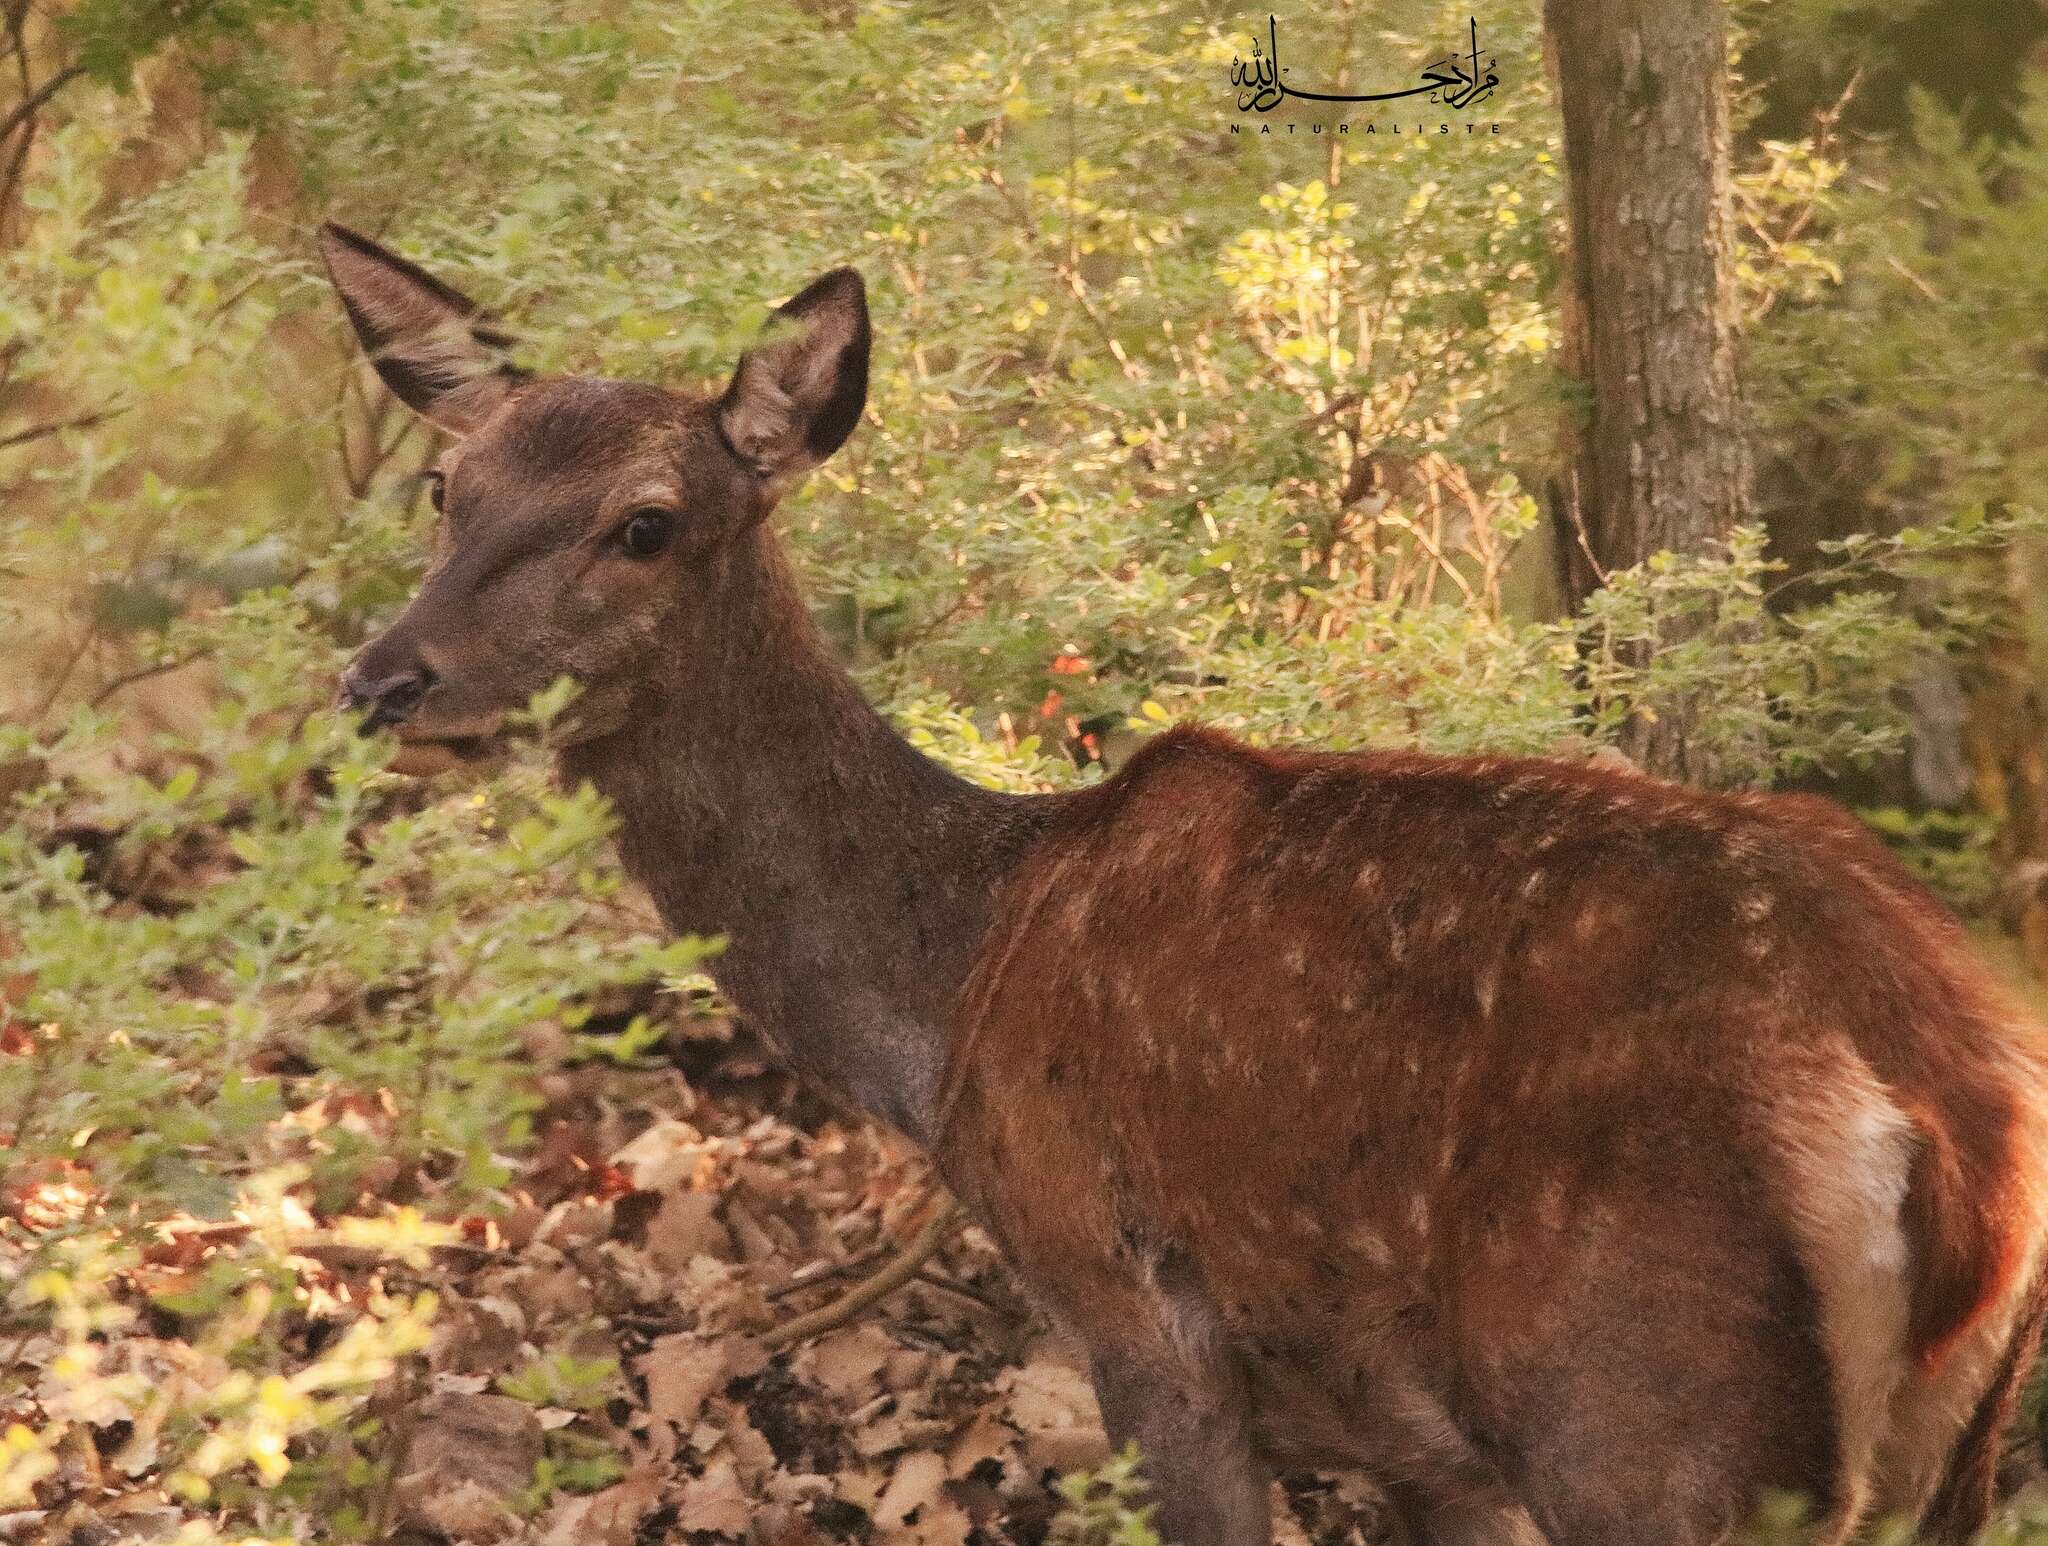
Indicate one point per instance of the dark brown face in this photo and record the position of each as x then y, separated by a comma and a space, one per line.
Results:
572, 520
577, 517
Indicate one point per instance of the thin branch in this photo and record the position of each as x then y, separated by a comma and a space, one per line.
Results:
1069, 274
143, 673
1578, 520
1911, 278
818, 1274
17, 40
86, 640
38, 431
938, 1228
32, 104
932, 1277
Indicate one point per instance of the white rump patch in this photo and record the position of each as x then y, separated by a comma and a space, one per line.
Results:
1848, 1154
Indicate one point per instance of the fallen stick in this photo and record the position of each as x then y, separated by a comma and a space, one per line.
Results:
879, 1285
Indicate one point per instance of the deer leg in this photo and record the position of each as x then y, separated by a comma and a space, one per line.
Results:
1442, 1489
1483, 1518
1169, 1381
1189, 1420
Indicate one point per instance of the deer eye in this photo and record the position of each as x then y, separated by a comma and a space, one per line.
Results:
647, 531
437, 488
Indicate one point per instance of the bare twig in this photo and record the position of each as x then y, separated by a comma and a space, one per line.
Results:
1578, 519
404, 1424
143, 673
32, 104
87, 638
1911, 278
869, 1290
823, 1273
57, 426
1068, 272
932, 1277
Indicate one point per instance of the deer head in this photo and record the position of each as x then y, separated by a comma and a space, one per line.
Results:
580, 518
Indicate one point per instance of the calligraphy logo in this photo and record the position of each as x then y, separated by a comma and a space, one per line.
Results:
1457, 81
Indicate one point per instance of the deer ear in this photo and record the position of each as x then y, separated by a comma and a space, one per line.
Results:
798, 394
432, 344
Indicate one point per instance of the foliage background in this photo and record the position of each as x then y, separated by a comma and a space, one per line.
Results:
1166, 420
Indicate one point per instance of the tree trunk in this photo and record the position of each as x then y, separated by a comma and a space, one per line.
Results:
1656, 456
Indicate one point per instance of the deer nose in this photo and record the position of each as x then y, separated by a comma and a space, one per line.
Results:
388, 699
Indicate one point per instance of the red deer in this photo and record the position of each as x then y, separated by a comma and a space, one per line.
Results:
1583, 1157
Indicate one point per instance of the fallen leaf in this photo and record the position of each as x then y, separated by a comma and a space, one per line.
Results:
684, 1227
473, 1336
752, 1454
1053, 1407
848, 1363
914, 1510
608, 1518
662, 1158
914, 1484
982, 1439
715, 1502
682, 1370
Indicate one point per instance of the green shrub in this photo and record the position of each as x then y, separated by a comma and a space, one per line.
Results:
265, 922
1105, 1507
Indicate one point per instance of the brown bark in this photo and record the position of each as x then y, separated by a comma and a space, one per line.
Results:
1657, 459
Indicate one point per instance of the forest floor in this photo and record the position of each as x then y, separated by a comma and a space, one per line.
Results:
603, 1370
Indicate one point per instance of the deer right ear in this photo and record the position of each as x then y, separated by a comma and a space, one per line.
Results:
798, 394
433, 345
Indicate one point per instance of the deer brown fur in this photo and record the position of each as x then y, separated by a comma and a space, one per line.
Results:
1583, 1157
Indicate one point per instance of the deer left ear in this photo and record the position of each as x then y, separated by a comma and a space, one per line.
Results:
797, 395
433, 345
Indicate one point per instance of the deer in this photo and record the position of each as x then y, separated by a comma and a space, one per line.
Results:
1582, 1157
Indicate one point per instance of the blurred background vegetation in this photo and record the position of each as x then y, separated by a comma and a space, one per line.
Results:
1166, 421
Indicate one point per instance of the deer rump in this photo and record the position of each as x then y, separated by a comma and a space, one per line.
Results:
1630, 1151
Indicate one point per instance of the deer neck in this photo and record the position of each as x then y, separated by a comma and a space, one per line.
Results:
761, 797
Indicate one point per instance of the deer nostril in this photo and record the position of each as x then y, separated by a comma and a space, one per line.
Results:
388, 700
399, 696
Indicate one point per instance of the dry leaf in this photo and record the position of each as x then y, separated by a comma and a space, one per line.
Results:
715, 1501
477, 1335
684, 1227
682, 1370
847, 1363
751, 1453
726, 1297
982, 1439
608, 1518
914, 1484
1054, 1408
908, 1368
914, 1511
663, 1157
